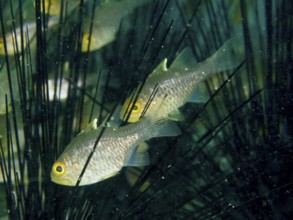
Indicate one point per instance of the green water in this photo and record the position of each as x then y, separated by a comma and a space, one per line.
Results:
233, 158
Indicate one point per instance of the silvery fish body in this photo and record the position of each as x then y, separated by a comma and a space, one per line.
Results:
116, 148
13, 38
105, 27
53, 7
177, 83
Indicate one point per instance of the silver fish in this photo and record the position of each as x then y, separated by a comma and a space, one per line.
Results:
178, 82
115, 149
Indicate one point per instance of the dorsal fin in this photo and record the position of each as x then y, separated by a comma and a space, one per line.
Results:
91, 126
114, 121
161, 68
184, 60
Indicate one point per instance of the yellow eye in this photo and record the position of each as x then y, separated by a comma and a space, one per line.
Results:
85, 42
135, 110
137, 107
86, 38
59, 169
2, 44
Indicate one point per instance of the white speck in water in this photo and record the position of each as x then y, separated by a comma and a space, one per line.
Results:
232, 206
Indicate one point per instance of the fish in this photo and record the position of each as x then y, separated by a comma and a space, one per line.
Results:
53, 7
105, 27
179, 82
13, 38
115, 149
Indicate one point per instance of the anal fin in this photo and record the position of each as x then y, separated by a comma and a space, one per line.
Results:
138, 159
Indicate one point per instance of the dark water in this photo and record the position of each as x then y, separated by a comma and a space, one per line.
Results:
233, 159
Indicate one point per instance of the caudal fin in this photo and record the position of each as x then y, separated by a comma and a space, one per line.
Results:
227, 57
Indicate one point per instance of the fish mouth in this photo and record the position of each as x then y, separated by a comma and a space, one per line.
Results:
61, 181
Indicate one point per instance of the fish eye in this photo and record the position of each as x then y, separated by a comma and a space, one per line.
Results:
137, 107
50, 2
86, 38
59, 169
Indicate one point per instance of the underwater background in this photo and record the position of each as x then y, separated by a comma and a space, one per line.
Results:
64, 63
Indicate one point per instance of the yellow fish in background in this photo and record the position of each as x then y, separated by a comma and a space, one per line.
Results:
53, 7
116, 148
106, 22
14, 38
178, 83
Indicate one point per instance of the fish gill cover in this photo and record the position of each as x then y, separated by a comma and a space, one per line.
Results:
233, 159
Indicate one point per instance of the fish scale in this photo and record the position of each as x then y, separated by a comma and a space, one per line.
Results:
180, 86
179, 89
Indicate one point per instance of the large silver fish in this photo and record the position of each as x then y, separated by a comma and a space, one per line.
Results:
178, 82
116, 148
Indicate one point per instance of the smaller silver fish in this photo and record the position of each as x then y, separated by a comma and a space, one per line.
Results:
105, 27
178, 82
13, 39
116, 149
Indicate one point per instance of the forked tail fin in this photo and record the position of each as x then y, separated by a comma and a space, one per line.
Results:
227, 57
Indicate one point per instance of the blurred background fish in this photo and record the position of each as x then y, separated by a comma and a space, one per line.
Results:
22, 36
55, 7
102, 29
